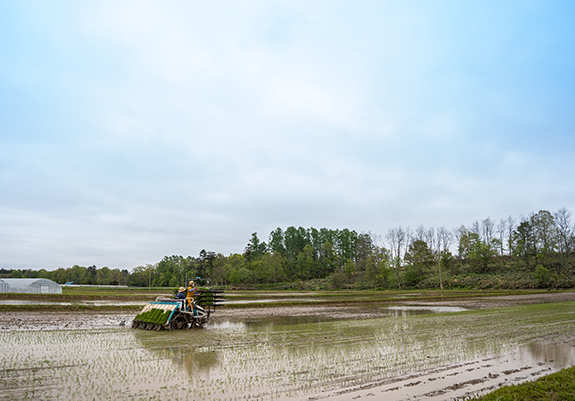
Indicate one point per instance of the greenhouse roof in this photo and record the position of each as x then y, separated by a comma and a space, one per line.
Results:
30, 285
24, 282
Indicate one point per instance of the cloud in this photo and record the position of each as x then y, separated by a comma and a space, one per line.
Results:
135, 130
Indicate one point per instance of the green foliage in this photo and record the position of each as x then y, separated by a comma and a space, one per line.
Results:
255, 248
337, 280
242, 275
419, 260
172, 270
77, 274
306, 264
540, 254
477, 252
542, 276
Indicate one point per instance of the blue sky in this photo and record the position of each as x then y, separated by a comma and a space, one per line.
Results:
132, 130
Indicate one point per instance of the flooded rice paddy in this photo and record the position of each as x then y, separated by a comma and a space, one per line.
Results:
408, 352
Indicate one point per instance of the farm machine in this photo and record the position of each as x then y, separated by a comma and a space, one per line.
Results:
179, 314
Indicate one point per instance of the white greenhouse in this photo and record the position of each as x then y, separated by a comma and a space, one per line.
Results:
30, 286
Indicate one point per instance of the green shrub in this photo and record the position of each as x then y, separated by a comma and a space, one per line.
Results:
542, 276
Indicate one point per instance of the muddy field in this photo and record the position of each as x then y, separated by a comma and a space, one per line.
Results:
409, 351
11, 321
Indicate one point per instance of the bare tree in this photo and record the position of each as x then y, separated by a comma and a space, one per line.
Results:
444, 239
376, 239
419, 233
392, 239
565, 230
510, 229
501, 231
397, 239
487, 226
475, 228
430, 238
460, 232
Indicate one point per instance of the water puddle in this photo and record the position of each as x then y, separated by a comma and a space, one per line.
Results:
419, 310
98, 303
265, 324
274, 300
271, 323
478, 376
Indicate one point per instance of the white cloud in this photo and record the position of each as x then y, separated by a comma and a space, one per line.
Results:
172, 127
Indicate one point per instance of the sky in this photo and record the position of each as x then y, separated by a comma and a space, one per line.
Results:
133, 130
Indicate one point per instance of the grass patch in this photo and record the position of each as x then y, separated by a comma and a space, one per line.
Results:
556, 386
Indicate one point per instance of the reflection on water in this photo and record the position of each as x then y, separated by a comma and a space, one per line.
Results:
226, 324
419, 310
558, 356
34, 302
265, 301
271, 323
194, 360
27, 302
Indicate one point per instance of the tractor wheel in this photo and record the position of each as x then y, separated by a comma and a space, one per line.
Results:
196, 324
179, 323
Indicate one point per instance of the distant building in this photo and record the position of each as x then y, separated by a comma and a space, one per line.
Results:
30, 286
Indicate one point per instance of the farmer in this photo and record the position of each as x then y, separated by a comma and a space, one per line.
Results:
181, 293
192, 290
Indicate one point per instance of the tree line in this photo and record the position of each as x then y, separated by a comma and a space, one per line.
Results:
90, 275
536, 250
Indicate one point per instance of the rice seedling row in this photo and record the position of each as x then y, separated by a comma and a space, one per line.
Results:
270, 362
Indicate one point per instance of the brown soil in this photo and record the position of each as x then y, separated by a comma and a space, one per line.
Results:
17, 321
